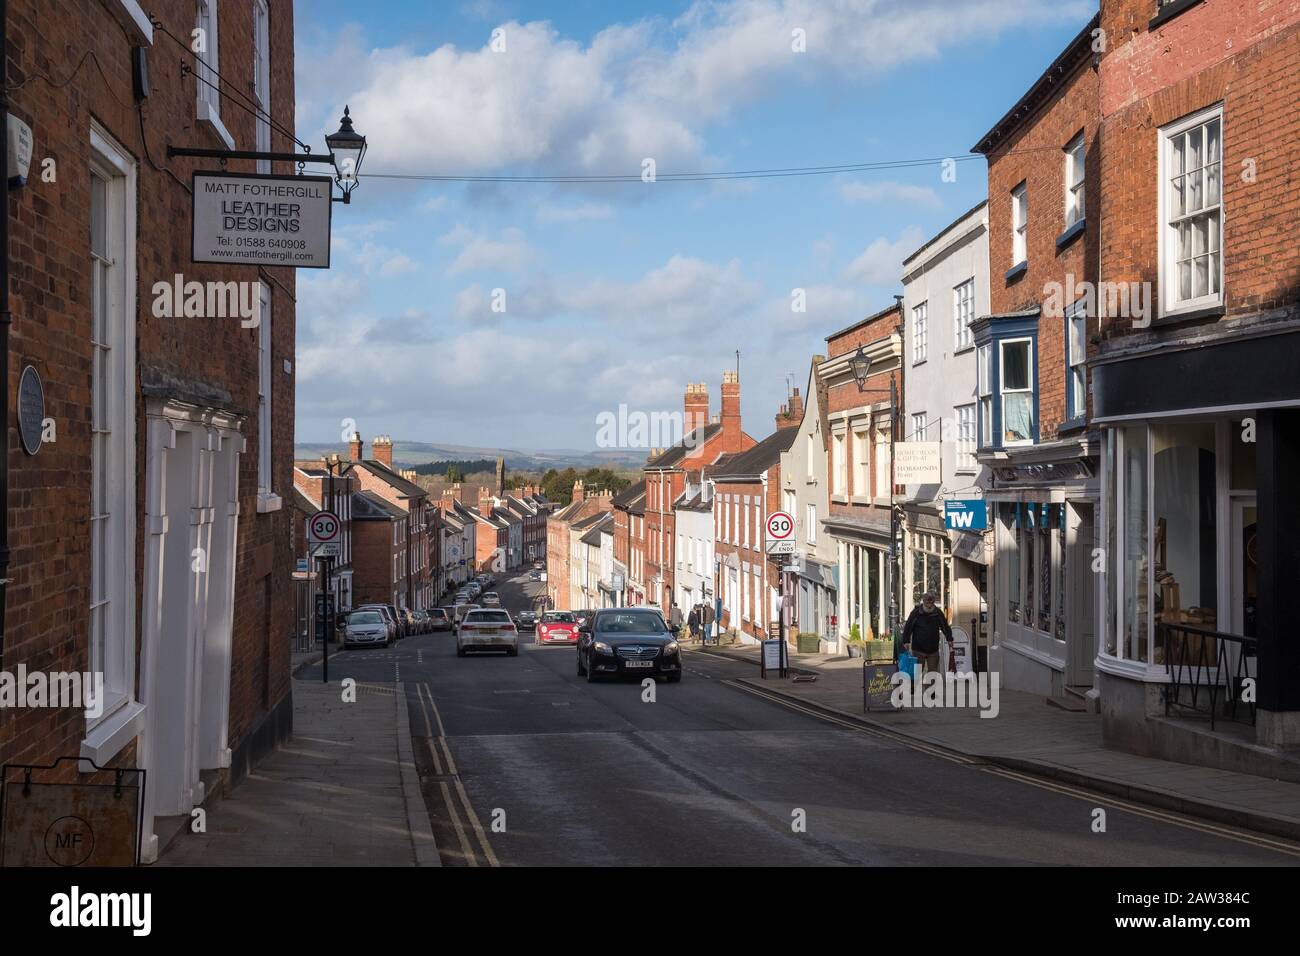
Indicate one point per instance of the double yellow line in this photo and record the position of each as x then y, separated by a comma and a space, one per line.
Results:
444, 765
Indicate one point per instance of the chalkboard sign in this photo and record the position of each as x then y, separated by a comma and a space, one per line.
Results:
878, 686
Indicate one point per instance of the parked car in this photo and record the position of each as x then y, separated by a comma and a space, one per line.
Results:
537, 565
526, 620
390, 615
487, 629
557, 627
459, 612
367, 627
534, 575
491, 599
439, 619
421, 621
628, 641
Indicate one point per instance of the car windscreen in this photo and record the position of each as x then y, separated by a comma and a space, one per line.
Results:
558, 617
487, 617
630, 622
364, 617
437, 612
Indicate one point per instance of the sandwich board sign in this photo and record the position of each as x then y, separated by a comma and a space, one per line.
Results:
261, 220
324, 535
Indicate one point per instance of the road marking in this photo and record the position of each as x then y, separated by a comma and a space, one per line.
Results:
447, 800
460, 786
1079, 793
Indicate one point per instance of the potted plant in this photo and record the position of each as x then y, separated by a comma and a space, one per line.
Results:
854, 642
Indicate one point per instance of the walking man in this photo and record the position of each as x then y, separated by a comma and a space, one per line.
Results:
922, 630
693, 622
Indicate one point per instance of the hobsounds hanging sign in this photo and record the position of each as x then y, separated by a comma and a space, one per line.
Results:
261, 220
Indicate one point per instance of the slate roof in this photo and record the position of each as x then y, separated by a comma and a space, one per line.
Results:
752, 463
671, 457
405, 489
368, 506
629, 494
605, 522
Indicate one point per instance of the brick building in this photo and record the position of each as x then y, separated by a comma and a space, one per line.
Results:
174, 435
629, 542
1199, 401
332, 493
666, 477
381, 550
856, 435
1032, 379
377, 475
747, 488
559, 541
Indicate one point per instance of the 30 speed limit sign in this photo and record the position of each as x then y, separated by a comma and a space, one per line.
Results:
324, 534
780, 533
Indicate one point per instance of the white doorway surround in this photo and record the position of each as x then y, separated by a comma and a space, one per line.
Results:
191, 520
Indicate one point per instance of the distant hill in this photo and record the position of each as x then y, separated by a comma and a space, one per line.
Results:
409, 454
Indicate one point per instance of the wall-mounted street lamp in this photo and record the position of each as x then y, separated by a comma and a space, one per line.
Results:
348, 147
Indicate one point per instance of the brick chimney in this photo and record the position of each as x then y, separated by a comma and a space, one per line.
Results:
791, 413
730, 403
382, 449
579, 492
484, 503
354, 447
696, 407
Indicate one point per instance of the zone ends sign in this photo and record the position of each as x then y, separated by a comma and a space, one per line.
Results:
259, 220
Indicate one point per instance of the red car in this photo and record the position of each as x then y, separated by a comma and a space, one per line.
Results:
557, 627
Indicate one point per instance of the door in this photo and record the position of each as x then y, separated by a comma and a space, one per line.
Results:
1081, 634
1245, 571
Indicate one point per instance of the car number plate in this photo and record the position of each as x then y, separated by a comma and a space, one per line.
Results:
638, 663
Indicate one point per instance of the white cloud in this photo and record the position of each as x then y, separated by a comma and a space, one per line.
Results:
889, 191
579, 212
881, 263
509, 253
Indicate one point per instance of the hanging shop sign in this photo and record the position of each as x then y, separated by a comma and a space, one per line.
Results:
262, 220
966, 514
917, 463
49, 822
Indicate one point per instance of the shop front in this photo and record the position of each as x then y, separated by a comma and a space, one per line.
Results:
864, 578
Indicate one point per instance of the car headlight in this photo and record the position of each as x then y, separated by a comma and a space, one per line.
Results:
670, 647
602, 648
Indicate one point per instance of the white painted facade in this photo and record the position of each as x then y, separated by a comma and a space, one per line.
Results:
694, 554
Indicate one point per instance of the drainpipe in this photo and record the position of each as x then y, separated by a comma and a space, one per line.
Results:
5, 320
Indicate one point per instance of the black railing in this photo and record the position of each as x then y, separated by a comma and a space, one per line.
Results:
1206, 667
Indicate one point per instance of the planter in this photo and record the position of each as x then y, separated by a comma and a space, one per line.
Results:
855, 650
809, 643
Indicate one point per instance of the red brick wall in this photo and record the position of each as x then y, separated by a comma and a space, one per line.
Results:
49, 499
1034, 154
372, 562
1246, 56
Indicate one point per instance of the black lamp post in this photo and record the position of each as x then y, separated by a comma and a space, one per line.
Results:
348, 148
861, 366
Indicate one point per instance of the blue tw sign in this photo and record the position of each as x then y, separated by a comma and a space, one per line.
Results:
966, 514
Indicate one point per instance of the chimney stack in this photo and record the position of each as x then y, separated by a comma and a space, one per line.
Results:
579, 492
730, 403
696, 406
484, 503
382, 449
354, 447
792, 412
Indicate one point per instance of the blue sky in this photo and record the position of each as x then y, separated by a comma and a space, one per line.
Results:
623, 293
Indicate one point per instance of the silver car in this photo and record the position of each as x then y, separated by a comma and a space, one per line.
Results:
487, 629
366, 628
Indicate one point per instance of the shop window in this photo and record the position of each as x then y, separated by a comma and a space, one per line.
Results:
1134, 530
1184, 512
1241, 456
1012, 523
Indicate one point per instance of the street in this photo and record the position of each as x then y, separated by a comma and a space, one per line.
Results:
522, 762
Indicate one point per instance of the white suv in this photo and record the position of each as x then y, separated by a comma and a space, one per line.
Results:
487, 629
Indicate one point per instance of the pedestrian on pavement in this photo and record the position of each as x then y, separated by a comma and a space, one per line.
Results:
675, 617
693, 622
706, 619
922, 630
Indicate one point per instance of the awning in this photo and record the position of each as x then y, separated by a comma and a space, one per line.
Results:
968, 546
818, 572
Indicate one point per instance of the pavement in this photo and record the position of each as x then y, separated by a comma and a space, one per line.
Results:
1031, 736
342, 791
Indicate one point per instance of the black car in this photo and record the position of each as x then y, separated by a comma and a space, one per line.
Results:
526, 620
628, 642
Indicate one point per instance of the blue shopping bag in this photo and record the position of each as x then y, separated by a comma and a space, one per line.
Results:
909, 665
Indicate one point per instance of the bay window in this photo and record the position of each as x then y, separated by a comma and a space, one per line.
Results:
1016, 385
984, 389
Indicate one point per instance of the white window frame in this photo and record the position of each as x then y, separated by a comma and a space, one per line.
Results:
920, 427
1020, 224
1076, 357
984, 391
262, 79
811, 534
861, 460
1170, 303
839, 467
1003, 391
920, 332
207, 66
1075, 172
963, 314
965, 415
113, 576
